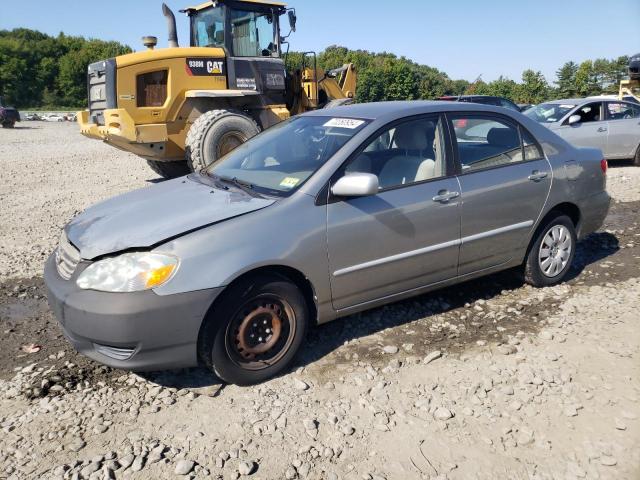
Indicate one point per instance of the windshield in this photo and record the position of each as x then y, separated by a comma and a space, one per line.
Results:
282, 158
207, 28
549, 112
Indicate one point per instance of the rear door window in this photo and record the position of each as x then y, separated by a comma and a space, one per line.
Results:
622, 111
488, 141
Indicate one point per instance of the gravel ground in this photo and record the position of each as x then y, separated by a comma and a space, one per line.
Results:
490, 379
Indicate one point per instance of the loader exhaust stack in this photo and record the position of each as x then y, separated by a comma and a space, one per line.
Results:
171, 25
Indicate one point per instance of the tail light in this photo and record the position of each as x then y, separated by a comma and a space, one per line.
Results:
604, 165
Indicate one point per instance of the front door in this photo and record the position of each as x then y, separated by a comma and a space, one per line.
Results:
624, 129
590, 131
504, 180
407, 235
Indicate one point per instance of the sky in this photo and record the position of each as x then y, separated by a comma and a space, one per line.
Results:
464, 39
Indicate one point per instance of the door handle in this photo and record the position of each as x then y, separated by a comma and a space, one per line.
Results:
444, 196
536, 176
602, 129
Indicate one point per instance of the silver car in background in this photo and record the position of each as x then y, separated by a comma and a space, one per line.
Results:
321, 216
606, 123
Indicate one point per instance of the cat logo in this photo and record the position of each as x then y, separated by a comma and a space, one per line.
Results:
204, 66
214, 67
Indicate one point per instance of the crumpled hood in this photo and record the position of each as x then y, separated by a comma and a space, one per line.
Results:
145, 217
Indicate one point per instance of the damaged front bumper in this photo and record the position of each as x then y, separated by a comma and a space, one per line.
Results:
133, 331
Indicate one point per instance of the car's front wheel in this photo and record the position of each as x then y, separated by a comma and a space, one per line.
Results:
256, 329
550, 257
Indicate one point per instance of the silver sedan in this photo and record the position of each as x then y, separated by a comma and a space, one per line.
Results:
324, 215
611, 125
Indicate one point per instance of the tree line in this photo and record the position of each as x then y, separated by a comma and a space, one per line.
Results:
385, 76
39, 70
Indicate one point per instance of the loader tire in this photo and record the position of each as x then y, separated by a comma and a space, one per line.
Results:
169, 170
8, 124
338, 102
216, 133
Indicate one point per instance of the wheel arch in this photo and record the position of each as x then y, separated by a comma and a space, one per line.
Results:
569, 209
291, 274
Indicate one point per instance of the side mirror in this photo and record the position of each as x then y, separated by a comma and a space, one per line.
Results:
574, 119
356, 185
292, 19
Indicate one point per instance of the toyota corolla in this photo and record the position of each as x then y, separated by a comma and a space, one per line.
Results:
324, 215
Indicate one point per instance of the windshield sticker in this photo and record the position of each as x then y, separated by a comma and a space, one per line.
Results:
344, 123
289, 182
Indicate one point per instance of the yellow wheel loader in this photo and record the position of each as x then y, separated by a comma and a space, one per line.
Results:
182, 108
630, 89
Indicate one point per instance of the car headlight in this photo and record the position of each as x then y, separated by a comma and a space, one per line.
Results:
129, 272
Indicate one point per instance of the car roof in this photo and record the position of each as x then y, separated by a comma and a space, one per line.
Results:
375, 110
580, 101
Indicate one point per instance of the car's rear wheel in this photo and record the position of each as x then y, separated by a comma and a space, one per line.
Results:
636, 160
256, 329
550, 257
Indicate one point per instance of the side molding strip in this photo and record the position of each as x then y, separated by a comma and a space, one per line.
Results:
432, 248
497, 231
398, 256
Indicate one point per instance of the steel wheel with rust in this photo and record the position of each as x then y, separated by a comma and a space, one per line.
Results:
261, 332
255, 330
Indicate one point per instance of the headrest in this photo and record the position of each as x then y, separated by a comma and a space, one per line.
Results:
411, 136
503, 137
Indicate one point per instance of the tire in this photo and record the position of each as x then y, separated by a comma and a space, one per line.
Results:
551, 254
216, 133
169, 170
338, 102
8, 124
636, 160
226, 345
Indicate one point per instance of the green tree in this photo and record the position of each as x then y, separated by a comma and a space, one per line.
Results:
34, 65
533, 89
566, 80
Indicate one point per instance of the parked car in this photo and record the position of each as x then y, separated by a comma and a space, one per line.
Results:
54, 117
329, 213
482, 99
608, 124
32, 117
8, 115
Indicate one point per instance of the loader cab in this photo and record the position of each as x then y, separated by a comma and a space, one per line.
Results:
242, 28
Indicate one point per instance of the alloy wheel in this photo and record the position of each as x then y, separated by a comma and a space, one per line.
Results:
555, 251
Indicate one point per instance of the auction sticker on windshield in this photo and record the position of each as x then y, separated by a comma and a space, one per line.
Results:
344, 123
289, 182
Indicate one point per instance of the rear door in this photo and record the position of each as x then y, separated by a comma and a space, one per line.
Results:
624, 129
504, 180
590, 131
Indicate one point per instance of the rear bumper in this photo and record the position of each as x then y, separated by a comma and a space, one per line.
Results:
594, 210
133, 331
